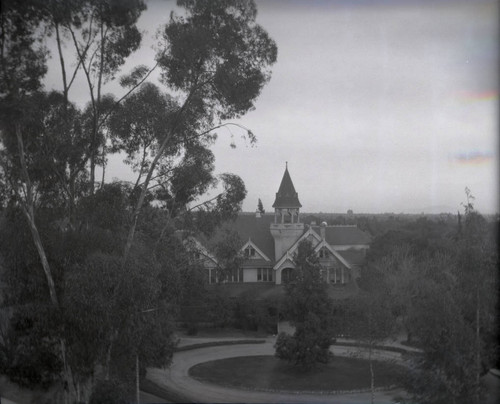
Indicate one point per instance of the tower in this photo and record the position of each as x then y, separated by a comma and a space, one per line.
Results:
286, 228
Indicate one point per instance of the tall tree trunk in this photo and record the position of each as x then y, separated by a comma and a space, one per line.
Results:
108, 354
478, 347
28, 208
29, 211
93, 149
103, 166
142, 196
372, 375
63, 68
137, 387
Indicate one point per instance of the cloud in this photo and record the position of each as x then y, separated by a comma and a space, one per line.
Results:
473, 157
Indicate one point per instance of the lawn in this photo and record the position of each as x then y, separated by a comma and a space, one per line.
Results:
268, 372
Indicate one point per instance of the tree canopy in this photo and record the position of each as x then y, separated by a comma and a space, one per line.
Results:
445, 294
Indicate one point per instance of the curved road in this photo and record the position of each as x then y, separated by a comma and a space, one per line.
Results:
177, 378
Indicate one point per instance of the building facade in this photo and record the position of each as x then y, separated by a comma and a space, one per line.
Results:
270, 241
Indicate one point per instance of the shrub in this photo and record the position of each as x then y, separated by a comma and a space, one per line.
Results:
109, 392
305, 347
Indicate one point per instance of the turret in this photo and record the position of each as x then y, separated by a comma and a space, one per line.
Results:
286, 205
286, 228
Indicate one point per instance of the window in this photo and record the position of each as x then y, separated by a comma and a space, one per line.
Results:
265, 275
249, 252
288, 217
323, 253
213, 275
339, 275
333, 275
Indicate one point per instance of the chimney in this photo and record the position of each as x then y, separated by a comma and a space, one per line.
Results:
322, 230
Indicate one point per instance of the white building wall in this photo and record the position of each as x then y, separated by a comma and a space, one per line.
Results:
277, 276
250, 275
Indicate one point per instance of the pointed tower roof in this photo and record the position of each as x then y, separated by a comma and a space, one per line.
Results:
286, 197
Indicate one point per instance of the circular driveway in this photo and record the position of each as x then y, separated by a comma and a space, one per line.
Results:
177, 378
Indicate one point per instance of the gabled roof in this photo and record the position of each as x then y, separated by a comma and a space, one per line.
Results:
344, 235
286, 197
255, 229
193, 244
339, 257
289, 253
354, 257
285, 261
260, 253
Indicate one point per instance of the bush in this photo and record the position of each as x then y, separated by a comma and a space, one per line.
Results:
192, 329
219, 310
253, 315
109, 392
285, 347
304, 348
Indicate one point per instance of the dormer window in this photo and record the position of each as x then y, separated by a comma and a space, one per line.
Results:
249, 252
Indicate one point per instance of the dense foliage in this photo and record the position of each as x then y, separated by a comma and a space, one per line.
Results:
441, 284
95, 272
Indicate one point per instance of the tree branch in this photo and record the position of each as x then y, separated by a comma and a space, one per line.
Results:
106, 116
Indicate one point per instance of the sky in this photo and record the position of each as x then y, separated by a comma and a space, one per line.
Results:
377, 106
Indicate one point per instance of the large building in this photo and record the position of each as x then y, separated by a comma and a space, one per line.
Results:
269, 242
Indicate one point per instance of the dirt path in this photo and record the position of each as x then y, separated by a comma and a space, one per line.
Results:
178, 380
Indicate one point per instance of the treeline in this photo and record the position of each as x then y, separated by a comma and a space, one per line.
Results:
440, 285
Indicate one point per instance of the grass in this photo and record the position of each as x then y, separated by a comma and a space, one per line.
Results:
229, 332
270, 373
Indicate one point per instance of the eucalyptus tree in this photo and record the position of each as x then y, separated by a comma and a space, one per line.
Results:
101, 34
216, 59
214, 62
23, 65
